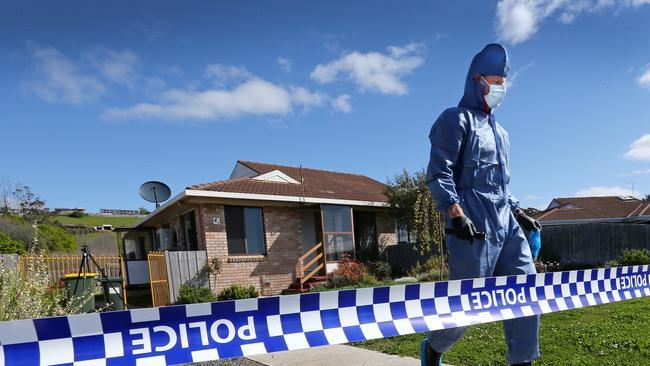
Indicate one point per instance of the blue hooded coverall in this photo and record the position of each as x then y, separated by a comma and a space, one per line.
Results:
469, 165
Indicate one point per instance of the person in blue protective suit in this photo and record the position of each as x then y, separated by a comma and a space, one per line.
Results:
468, 176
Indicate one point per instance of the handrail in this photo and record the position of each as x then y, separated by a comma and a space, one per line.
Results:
303, 267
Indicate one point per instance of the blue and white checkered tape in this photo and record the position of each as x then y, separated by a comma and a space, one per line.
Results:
209, 331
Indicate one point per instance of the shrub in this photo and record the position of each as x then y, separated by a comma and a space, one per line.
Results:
56, 238
237, 292
633, 257
10, 246
612, 263
77, 214
17, 229
433, 269
28, 295
347, 273
192, 294
550, 266
381, 270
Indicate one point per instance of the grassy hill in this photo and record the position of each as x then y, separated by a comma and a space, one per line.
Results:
96, 220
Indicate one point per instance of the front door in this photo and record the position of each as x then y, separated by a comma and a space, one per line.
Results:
365, 236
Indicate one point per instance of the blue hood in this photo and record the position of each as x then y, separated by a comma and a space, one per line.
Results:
492, 60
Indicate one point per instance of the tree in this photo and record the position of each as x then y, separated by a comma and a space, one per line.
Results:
402, 194
646, 198
416, 211
530, 211
6, 198
30, 206
143, 211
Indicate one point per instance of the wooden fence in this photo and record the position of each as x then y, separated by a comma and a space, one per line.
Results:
158, 278
593, 243
59, 265
186, 267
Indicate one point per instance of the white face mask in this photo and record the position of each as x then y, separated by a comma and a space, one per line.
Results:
496, 94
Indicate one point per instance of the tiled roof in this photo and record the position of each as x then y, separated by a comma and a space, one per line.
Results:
585, 208
316, 183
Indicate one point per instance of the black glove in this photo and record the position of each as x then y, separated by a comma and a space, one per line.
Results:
463, 227
526, 222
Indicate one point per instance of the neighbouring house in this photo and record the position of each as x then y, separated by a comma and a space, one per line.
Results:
593, 230
610, 209
263, 221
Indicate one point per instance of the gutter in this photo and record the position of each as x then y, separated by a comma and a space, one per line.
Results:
258, 197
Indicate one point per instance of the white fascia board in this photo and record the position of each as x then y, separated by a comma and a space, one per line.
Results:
271, 197
162, 207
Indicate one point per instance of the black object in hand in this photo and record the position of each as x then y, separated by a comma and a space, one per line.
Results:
527, 222
463, 228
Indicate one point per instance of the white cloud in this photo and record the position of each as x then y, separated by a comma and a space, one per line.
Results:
342, 103
644, 79
306, 98
59, 78
640, 149
374, 71
531, 197
115, 66
224, 75
285, 63
512, 80
604, 191
251, 97
518, 20
641, 172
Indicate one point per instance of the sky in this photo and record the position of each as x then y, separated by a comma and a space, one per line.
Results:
99, 97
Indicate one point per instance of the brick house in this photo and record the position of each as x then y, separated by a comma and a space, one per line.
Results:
263, 219
589, 231
605, 209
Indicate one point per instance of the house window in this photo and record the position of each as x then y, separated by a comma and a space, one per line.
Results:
245, 230
189, 231
404, 235
337, 232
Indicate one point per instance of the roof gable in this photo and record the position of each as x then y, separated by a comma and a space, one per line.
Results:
277, 177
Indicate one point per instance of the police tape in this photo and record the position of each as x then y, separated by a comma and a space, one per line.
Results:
210, 331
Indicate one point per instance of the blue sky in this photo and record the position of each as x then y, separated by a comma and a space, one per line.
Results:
98, 98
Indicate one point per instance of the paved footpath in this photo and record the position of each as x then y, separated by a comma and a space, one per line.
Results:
339, 355
334, 355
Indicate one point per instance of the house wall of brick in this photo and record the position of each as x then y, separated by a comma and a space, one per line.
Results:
270, 273
386, 233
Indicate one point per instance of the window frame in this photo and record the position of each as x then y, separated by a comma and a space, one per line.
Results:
243, 226
325, 233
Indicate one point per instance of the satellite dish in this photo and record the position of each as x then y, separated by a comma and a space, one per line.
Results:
155, 192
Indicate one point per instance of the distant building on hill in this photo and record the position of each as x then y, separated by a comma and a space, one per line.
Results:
66, 211
118, 212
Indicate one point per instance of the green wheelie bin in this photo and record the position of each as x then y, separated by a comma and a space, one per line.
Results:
113, 293
85, 286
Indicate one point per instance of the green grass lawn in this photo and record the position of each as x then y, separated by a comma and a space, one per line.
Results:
92, 220
611, 334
